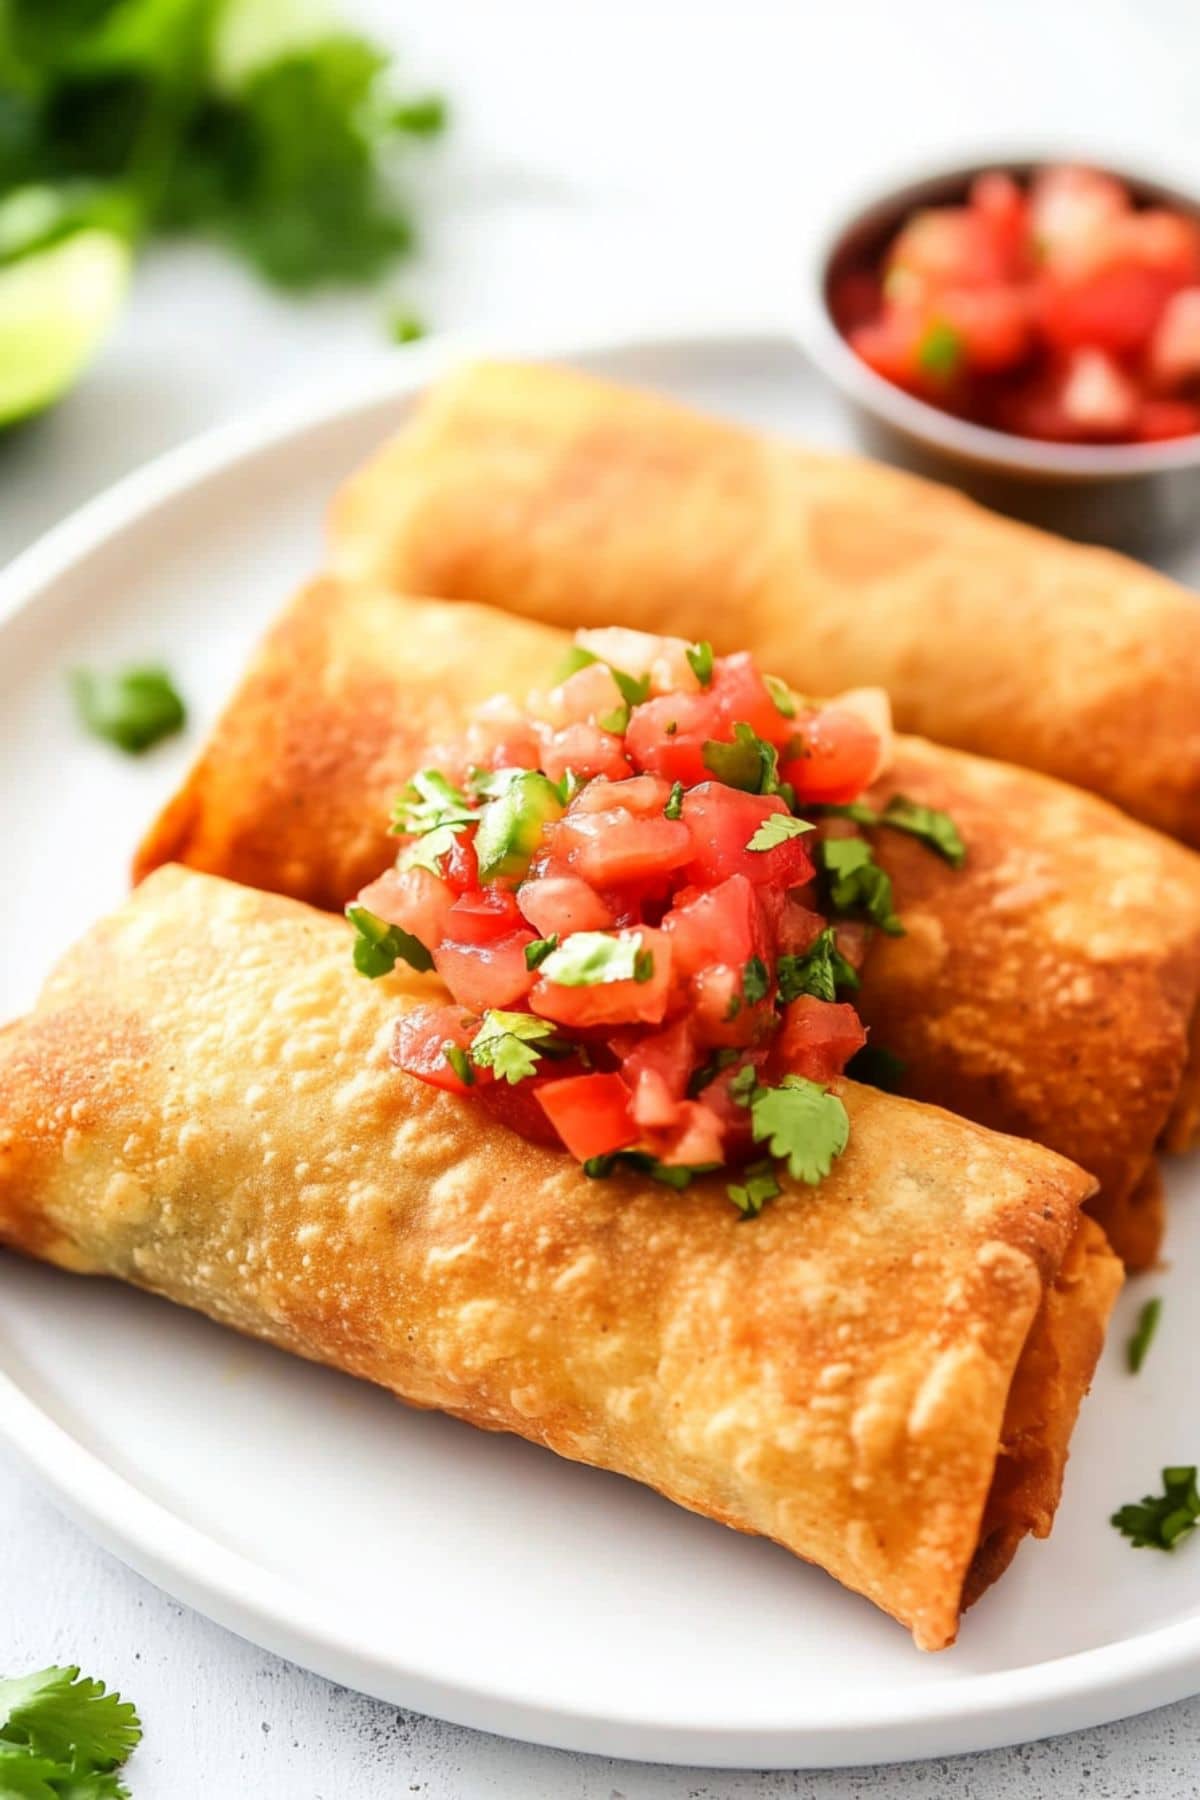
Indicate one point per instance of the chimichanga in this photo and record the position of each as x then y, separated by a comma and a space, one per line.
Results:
1046, 989
581, 503
881, 1372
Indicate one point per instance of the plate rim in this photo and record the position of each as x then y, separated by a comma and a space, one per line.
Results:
977, 1712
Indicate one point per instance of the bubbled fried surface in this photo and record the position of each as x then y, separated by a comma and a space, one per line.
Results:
202, 1103
580, 502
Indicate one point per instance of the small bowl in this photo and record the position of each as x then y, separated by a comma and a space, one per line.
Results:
1133, 496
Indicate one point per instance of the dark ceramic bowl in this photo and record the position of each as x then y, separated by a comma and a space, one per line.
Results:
1136, 496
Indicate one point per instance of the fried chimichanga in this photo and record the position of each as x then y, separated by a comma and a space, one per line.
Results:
1047, 989
881, 1372
583, 503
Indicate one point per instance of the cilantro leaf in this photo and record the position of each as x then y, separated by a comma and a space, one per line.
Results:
802, 1123
878, 1068
429, 801
616, 721
1160, 1521
24, 1776
58, 1713
589, 958
537, 952
748, 763
1143, 1336
427, 851
674, 807
708, 1071
777, 830
404, 327
857, 885
756, 981
458, 1060
700, 660
743, 1085
819, 972
132, 709
751, 1195
781, 694
507, 1042
929, 823
378, 946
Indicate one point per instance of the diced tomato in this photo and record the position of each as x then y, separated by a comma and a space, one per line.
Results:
518, 1108
642, 653
837, 757
694, 1137
414, 899
818, 1038
586, 696
483, 916
611, 1002
722, 924
794, 927
999, 202
667, 735
645, 795
586, 751
993, 325
721, 1015
591, 1113
1114, 309
1097, 397
489, 974
1174, 355
461, 865
610, 848
419, 1045
721, 821
741, 697
855, 299
891, 344
657, 1069
557, 905
948, 246
1070, 211
1159, 419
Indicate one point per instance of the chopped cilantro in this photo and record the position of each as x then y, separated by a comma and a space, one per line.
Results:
819, 972
457, 1057
133, 708
802, 1123
677, 1176
700, 659
876, 1067
428, 802
62, 1735
507, 1042
777, 830
781, 694
734, 1007
933, 827
616, 721
857, 885
748, 763
707, 1072
1143, 1336
743, 1085
756, 980
589, 958
537, 952
404, 327
674, 807
378, 946
1160, 1521
751, 1195
940, 350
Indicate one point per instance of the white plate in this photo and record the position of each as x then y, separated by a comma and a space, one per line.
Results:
457, 1573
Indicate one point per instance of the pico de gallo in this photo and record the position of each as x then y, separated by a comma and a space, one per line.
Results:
1054, 308
647, 893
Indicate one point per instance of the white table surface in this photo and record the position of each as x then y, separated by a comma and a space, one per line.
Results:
612, 161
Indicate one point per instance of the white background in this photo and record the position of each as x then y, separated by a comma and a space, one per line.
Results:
611, 161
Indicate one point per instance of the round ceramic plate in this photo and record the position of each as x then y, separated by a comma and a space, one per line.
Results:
447, 1570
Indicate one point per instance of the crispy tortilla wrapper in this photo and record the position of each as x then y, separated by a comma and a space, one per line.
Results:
584, 503
881, 1372
1047, 989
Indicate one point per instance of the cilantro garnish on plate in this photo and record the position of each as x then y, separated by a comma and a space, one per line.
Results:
132, 708
63, 1737
1161, 1521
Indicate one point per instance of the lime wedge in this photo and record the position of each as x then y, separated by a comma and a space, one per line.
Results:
55, 307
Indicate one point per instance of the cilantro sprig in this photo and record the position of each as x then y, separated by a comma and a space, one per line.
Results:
1143, 1336
928, 823
820, 971
1161, 1521
63, 1737
856, 886
512, 1044
748, 763
777, 830
700, 661
802, 1124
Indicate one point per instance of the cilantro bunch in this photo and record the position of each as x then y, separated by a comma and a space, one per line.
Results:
235, 119
63, 1737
